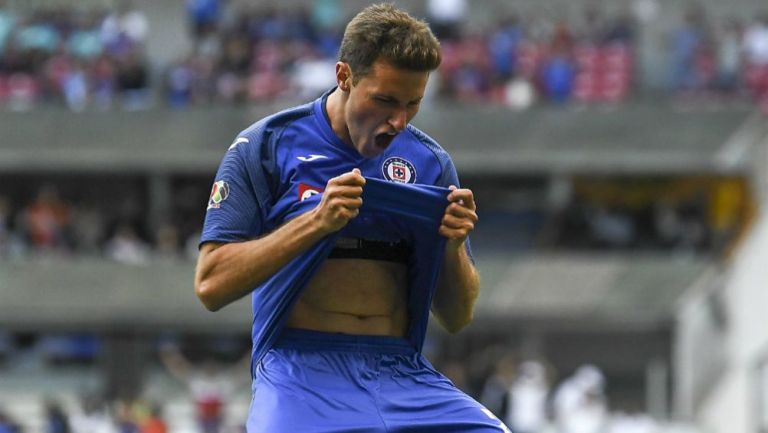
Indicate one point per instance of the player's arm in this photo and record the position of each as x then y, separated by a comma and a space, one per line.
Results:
228, 271
459, 283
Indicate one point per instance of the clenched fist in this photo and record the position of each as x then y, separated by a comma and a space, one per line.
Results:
460, 216
341, 201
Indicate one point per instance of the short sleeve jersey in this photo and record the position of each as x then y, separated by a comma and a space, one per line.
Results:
277, 169
288, 158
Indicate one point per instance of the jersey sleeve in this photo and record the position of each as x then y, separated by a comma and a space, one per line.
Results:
237, 205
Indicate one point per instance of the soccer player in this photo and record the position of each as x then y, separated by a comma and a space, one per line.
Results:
347, 226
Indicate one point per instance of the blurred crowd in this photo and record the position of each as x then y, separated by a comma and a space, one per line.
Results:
94, 415
726, 55
527, 398
73, 57
687, 215
529, 394
49, 225
259, 53
197, 393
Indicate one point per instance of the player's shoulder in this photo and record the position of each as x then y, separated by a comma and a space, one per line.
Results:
429, 144
263, 130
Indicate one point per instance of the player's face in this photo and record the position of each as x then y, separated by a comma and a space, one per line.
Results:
380, 106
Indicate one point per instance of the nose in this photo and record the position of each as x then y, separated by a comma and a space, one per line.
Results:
398, 119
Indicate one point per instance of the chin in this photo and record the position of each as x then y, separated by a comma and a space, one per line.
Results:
372, 153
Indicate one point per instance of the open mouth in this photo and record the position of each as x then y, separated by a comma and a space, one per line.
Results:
384, 140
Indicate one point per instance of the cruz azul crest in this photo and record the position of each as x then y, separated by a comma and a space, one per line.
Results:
397, 169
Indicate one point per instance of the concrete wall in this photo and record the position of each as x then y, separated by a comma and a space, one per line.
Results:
731, 404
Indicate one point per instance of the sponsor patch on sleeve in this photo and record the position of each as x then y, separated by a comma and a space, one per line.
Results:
219, 193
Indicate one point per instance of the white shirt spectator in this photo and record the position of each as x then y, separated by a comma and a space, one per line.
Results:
579, 402
132, 23
756, 43
126, 247
446, 11
527, 412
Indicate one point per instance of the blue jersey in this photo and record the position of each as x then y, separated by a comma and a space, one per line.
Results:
277, 168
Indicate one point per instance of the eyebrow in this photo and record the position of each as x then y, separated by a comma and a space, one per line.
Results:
392, 98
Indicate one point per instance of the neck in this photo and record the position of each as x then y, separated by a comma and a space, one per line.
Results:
335, 107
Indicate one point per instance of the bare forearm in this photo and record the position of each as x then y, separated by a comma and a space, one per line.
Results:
457, 290
230, 271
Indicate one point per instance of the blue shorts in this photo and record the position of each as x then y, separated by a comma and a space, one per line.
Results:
313, 382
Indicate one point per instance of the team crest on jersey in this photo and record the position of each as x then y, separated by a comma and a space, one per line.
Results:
307, 191
397, 169
219, 193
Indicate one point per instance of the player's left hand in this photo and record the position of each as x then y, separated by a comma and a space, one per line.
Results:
460, 216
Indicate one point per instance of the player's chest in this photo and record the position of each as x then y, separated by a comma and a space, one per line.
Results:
307, 171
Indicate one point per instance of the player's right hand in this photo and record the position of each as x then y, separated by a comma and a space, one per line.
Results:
341, 201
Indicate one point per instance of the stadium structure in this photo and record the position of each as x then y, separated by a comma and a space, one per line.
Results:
676, 323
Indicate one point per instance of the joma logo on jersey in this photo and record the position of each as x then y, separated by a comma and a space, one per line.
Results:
397, 169
307, 191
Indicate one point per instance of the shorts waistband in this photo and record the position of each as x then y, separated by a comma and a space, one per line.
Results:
302, 339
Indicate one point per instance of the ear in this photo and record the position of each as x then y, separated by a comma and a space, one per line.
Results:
343, 76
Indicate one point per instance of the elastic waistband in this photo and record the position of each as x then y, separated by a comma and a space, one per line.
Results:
301, 339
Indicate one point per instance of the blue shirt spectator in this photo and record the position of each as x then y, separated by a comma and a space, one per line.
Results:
38, 36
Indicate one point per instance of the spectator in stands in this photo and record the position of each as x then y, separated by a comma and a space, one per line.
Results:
756, 42
579, 402
132, 78
756, 54
593, 25
446, 17
7, 425
103, 81
621, 29
326, 15
88, 228
38, 36
154, 423
56, 419
179, 82
75, 88
519, 93
527, 399
167, 241
127, 247
7, 22
125, 29
46, 221
612, 226
729, 56
688, 43
210, 384
204, 17
503, 48
92, 417
125, 416
558, 74
495, 393
667, 223
84, 42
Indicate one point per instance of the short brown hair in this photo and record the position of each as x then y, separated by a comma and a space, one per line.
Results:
381, 31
